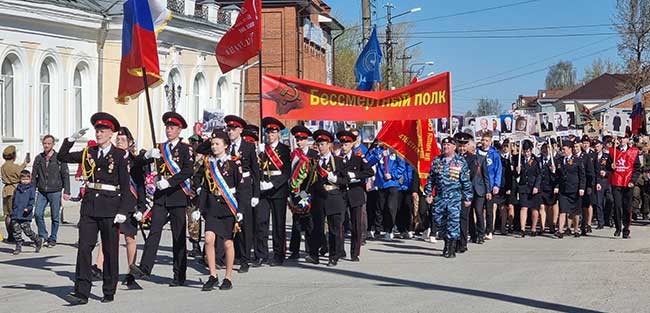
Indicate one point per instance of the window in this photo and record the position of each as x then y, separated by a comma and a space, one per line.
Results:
7, 89
77, 87
221, 92
46, 96
198, 89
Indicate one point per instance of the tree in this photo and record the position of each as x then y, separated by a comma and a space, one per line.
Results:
470, 114
599, 67
561, 76
632, 22
487, 106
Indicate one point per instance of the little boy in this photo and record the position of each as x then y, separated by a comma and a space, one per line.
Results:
23, 212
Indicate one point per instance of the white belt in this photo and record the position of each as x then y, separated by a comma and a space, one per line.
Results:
98, 186
273, 173
246, 174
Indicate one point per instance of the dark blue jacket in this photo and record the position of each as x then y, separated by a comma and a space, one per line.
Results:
23, 198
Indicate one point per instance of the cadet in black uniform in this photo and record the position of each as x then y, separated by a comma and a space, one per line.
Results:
589, 158
507, 193
528, 183
275, 168
103, 207
219, 177
603, 192
548, 186
174, 160
354, 193
248, 193
571, 186
327, 200
301, 164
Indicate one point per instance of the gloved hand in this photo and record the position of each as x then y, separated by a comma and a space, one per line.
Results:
265, 185
240, 217
331, 177
153, 153
138, 216
255, 202
351, 175
261, 147
80, 133
162, 184
196, 215
119, 219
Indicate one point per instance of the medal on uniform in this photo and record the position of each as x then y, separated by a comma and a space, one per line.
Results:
570, 162
111, 164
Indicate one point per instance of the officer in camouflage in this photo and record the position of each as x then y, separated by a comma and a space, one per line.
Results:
449, 177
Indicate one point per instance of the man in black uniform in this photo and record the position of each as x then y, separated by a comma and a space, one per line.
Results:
275, 165
480, 179
103, 207
301, 163
248, 191
354, 193
589, 160
327, 200
603, 192
174, 161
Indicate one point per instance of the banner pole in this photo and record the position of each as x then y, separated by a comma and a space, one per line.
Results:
259, 57
146, 93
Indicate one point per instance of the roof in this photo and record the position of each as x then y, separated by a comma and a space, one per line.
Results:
603, 87
108, 7
552, 94
624, 101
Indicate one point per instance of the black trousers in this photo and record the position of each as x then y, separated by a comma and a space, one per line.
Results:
388, 202
622, 208
300, 223
600, 202
356, 222
335, 236
177, 219
244, 239
476, 227
277, 208
372, 207
464, 225
88, 229
404, 220
489, 216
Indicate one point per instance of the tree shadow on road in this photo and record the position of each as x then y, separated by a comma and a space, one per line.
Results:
399, 282
404, 252
43, 263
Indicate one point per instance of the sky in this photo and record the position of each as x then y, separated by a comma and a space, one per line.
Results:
576, 30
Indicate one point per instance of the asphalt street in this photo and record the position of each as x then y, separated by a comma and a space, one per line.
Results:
598, 273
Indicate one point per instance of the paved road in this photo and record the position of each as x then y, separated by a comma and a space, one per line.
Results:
595, 274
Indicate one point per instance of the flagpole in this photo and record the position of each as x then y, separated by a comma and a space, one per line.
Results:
259, 57
146, 93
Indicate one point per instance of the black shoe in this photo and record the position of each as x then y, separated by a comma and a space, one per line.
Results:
626, 235
645, 216
19, 249
258, 263
243, 268
51, 244
226, 284
38, 245
462, 248
108, 298
276, 262
600, 227
323, 252
294, 256
576, 235
10, 239
97, 273
583, 232
617, 233
522, 234
589, 230
137, 272
332, 263
355, 259
452, 249
195, 251
480, 241
176, 283
209, 285
445, 250
559, 235
128, 280
533, 234
76, 299
312, 260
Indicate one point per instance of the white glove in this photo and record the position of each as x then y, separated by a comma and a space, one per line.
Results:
351, 175
331, 177
198, 191
261, 148
240, 217
153, 153
255, 202
265, 185
196, 215
80, 133
162, 184
138, 216
119, 219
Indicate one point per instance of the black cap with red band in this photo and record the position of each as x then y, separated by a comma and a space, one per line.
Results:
322, 135
346, 136
235, 121
175, 119
301, 132
103, 120
270, 123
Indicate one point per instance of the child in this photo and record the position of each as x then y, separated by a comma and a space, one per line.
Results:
23, 211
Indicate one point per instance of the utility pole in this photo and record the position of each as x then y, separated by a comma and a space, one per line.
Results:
366, 21
404, 58
389, 45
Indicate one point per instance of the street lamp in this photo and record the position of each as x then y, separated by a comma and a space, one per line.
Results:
404, 58
173, 92
389, 38
419, 63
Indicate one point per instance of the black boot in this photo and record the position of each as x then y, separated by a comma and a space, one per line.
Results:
445, 250
452, 249
196, 250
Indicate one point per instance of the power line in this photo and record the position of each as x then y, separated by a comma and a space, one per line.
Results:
408, 36
494, 30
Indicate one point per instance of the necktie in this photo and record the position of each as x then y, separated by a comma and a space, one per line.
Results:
219, 163
101, 154
323, 162
566, 160
232, 150
170, 146
347, 158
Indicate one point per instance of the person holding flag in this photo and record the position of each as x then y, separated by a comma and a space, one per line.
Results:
219, 176
367, 69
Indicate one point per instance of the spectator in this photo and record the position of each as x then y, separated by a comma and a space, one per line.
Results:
23, 209
10, 178
50, 177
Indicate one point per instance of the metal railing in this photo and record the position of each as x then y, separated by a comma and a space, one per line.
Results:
201, 11
224, 17
177, 6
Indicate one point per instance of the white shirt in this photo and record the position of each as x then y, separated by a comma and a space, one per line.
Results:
325, 158
348, 156
236, 144
173, 143
223, 159
104, 151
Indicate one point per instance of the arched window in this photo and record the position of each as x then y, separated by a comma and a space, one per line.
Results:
173, 90
222, 86
46, 95
7, 99
199, 94
77, 87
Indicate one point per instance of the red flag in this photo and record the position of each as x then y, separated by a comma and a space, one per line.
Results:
415, 141
243, 40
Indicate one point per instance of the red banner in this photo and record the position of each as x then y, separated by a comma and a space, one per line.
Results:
244, 40
415, 141
288, 98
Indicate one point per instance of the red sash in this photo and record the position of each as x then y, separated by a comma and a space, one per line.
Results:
275, 159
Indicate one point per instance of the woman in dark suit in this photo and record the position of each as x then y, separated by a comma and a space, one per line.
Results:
527, 174
571, 177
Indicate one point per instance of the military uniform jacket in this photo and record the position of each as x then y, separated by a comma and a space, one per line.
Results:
355, 188
588, 160
529, 175
571, 175
174, 196
137, 193
246, 158
478, 174
330, 200
507, 177
548, 179
211, 201
112, 170
280, 181
603, 163
450, 180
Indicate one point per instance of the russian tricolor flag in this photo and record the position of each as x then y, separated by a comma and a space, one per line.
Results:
139, 49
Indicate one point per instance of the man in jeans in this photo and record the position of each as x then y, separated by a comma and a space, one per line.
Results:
50, 177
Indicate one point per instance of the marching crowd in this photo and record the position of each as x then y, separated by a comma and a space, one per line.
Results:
228, 188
